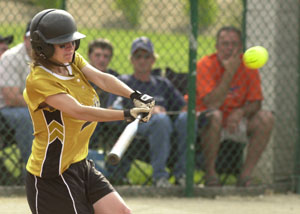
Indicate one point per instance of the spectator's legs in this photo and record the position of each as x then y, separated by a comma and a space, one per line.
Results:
210, 139
259, 129
158, 131
180, 125
19, 120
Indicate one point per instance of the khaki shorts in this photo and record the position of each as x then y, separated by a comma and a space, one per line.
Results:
239, 136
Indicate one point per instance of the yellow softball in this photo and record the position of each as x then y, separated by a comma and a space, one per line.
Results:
255, 57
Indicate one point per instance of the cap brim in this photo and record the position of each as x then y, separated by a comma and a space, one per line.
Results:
8, 40
66, 38
141, 46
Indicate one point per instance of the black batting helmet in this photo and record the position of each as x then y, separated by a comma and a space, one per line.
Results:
52, 26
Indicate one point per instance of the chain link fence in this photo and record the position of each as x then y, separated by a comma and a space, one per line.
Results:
272, 24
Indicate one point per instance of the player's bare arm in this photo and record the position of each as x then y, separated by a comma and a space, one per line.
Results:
72, 107
106, 81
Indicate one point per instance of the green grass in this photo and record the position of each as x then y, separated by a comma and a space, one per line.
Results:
173, 49
136, 177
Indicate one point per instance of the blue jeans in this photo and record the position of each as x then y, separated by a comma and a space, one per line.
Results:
19, 120
180, 126
181, 129
158, 133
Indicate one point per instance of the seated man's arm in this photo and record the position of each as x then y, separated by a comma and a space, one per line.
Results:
250, 108
13, 97
246, 111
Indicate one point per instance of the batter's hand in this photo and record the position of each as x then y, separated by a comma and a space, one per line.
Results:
131, 114
142, 100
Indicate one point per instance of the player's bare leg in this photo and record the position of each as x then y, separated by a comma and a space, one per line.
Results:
210, 143
112, 203
259, 127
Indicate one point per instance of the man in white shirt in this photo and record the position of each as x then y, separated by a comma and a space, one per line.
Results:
14, 68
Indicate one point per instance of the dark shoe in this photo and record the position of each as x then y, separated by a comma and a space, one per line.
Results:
244, 182
180, 181
212, 181
162, 182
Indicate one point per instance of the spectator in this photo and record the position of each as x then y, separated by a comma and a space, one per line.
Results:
159, 129
229, 95
4, 42
14, 68
100, 53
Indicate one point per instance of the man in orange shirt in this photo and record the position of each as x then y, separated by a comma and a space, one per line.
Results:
229, 96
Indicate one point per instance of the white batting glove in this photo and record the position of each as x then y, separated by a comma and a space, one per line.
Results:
131, 114
143, 100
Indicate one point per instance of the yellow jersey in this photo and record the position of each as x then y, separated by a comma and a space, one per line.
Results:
59, 139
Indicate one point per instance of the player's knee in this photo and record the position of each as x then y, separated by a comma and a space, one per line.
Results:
265, 119
126, 210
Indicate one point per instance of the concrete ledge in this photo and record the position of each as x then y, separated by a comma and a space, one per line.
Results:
176, 191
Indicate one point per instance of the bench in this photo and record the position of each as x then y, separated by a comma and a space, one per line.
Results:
230, 154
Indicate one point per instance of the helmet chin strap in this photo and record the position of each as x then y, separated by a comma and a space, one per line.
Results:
62, 65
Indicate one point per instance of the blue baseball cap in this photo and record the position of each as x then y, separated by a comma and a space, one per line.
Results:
142, 43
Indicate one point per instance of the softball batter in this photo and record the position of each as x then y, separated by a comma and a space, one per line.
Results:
65, 109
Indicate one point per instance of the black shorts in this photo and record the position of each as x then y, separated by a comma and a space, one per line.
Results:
75, 191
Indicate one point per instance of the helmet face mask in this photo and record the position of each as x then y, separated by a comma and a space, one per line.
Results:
53, 26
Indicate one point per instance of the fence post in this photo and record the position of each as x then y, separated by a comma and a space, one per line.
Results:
63, 4
192, 96
244, 24
297, 144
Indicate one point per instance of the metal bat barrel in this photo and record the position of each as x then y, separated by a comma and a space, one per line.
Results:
123, 142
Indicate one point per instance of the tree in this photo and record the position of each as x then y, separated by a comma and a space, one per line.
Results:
131, 10
207, 12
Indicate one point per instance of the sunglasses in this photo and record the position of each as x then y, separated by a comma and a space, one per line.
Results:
63, 46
